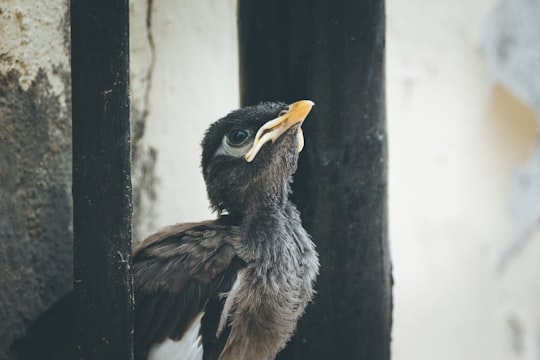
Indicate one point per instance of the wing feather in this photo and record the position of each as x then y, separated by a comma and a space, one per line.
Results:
177, 273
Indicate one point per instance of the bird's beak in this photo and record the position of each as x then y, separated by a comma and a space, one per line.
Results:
273, 129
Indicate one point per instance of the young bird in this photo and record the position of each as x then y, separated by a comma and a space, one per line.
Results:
231, 288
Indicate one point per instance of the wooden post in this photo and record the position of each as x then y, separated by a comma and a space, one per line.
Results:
101, 179
332, 52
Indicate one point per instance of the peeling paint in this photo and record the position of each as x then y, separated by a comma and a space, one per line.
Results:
512, 53
514, 126
513, 57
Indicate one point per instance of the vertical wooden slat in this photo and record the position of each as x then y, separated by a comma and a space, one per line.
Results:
332, 52
101, 179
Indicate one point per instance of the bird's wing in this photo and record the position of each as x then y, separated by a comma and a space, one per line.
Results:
51, 335
177, 273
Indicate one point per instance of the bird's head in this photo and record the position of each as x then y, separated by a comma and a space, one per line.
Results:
250, 155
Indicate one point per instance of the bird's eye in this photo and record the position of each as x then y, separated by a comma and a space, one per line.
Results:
284, 111
235, 143
237, 137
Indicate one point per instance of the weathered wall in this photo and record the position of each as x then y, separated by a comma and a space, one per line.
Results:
463, 216
35, 162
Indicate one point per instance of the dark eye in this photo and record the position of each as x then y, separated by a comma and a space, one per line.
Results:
237, 137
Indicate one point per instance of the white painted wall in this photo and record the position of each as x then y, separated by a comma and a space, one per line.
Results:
456, 138
194, 82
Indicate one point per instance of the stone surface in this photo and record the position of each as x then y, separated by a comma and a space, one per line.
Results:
35, 162
35, 202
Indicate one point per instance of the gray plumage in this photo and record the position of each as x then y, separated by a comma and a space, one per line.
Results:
262, 229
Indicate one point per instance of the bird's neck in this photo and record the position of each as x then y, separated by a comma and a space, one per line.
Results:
273, 199
269, 231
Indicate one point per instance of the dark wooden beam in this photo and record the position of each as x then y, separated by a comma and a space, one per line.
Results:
332, 52
101, 179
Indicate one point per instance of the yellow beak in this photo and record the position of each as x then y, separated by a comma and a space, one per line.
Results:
273, 129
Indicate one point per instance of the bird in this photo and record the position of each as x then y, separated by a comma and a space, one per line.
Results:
232, 288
